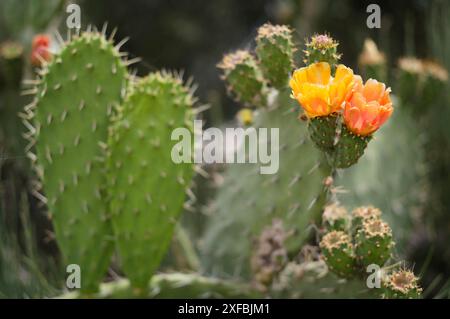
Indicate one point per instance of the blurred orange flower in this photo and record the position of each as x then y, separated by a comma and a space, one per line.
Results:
368, 107
40, 49
318, 92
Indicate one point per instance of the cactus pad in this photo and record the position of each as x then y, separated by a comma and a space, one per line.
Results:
337, 250
147, 187
321, 48
350, 148
322, 130
244, 80
275, 49
71, 118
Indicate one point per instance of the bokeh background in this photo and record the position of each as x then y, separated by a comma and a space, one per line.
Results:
193, 36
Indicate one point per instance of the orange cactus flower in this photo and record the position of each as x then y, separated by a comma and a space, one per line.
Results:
318, 92
368, 107
40, 50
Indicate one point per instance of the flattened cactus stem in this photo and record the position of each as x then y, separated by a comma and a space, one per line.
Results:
336, 217
244, 79
275, 49
322, 48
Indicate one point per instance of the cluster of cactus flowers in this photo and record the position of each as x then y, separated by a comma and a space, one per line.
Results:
97, 136
343, 113
353, 242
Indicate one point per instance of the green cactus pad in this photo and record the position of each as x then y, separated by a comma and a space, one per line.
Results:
248, 201
322, 130
244, 79
77, 93
401, 284
349, 148
337, 250
147, 186
335, 217
274, 49
373, 243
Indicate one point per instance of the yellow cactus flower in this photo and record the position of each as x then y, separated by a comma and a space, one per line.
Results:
318, 92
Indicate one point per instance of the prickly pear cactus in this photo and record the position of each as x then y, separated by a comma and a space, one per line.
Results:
245, 80
70, 116
401, 284
248, 201
147, 186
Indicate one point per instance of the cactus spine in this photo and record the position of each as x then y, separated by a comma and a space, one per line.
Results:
70, 116
147, 188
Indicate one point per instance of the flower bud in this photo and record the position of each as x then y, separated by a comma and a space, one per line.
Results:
401, 284
40, 50
337, 250
373, 243
275, 50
